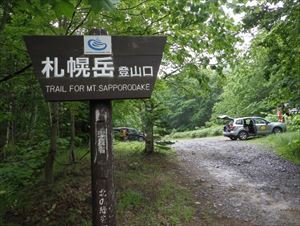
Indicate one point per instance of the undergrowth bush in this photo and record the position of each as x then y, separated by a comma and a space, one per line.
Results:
272, 118
149, 189
293, 123
286, 145
203, 132
21, 169
18, 171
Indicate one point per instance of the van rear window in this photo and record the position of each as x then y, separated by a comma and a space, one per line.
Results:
239, 122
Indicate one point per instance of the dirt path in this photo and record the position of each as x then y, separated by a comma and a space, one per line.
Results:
237, 183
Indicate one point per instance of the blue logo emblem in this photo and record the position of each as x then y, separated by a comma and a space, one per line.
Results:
96, 44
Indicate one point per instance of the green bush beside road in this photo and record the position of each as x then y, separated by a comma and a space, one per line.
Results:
149, 189
202, 132
286, 145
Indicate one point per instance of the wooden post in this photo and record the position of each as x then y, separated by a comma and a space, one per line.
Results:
103, 195
102, 168
137, 58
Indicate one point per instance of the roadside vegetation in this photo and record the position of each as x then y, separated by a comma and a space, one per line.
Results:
198, 133
150, 191
286, 145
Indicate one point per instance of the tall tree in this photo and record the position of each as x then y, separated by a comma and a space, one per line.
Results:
199, 33
37, 17
279, 25
246, 90
268, 74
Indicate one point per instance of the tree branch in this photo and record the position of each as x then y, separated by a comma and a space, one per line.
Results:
73, 16
9, 76
133, 7
156, 21
81, 23
178, 69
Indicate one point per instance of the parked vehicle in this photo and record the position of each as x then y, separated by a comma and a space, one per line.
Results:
294, 111
245, 127
126, 133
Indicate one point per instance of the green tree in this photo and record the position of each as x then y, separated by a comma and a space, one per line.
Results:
247, 90
35, 17
190, 99
268, 74
197, 33
279, 23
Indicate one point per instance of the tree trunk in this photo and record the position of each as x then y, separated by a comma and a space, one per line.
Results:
7, 8
149, 139
52, 151
11, 127
7, 138
149, 124
32, 121
72, 140
7, 133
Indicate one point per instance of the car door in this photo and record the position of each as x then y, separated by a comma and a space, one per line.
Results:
262, 126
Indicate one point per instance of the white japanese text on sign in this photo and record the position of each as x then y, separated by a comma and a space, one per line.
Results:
101, 67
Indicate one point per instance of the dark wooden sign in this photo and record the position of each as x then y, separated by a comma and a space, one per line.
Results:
95, 67
98, 68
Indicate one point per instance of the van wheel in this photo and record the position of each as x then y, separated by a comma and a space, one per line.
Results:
277, 130
243, 135
233, 138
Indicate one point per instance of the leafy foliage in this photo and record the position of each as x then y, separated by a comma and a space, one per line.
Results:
199, 133
190, 102
279, 22
286, 145
293, 123
268, 75
246, 91
20, 171
200, 68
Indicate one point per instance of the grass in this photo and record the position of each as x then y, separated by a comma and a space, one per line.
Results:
149, 188
286, 145
199, 133
149, 191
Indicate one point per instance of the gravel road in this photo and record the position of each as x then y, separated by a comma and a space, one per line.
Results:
238, 183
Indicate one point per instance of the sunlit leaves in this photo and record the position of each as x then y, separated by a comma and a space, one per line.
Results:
63, 8
268, 75
67, 7
97, 5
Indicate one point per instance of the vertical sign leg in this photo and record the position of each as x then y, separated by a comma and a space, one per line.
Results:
103, 196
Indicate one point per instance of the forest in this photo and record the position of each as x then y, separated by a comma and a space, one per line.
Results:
236, 57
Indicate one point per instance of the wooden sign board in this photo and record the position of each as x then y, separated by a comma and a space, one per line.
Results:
96, 67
